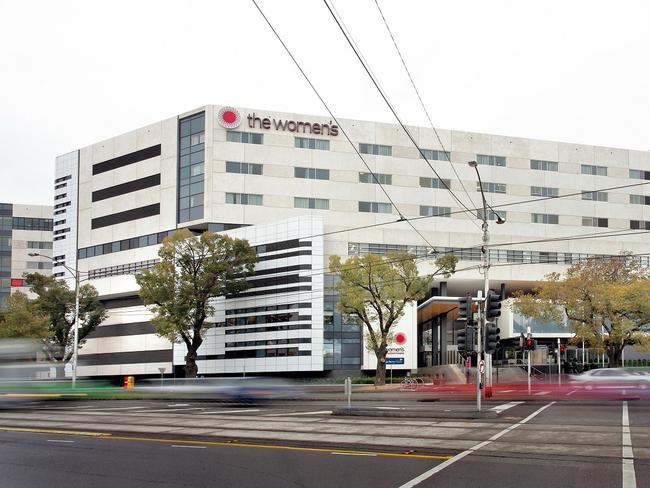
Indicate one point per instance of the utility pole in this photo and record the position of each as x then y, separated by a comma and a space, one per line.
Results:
485, 265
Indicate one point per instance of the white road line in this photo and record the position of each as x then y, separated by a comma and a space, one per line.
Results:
172, 410
60, 440
458, 457
505, 406
188, 447
629, 477
388, 408
117, 408
179, 405
292, 414
542, 393
352, 454
240, 410
506, 391
571, 392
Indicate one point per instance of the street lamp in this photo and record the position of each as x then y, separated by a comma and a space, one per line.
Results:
75, 346
485, 264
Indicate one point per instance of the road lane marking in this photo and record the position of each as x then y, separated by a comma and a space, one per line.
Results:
436, 469
542, 393
172, 410
189, 447
505, 406
353, 454
274, 446
292, 414
388, 408
629, 476
179, 405
571, 392
241, 410
54, 431
60, 440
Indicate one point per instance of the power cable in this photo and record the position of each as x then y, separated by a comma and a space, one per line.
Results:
343, 131
426, 112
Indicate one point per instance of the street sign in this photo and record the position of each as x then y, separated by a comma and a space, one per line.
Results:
481, 366
394, 360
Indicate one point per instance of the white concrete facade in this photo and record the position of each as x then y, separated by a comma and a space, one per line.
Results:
107, 239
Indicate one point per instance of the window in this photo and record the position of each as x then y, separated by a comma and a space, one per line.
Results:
244, 137
543, 165
640, 174
640, 199
63, 178
315, 203
597, 196
312, 173
61, 231
375, 207
59, 222
244, 168
39, 265
429, 211
60, 185
28, 223
435, 155
490, 160
376, 149
492, 215
640, 224
39, 245
61, 196
244, 199
594, 222
491, 187
62, 205
384, 179
590, 169
308, 143
435, 183
539, 218
543, 191
191, 167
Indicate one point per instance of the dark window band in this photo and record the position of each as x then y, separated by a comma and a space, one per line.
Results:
132, 357
132, 301
125, 160
119, 330
273, 291
284, 255
126, 216
128, 187
278, 280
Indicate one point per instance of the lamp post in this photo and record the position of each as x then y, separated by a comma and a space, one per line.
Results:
485, 264
75, 345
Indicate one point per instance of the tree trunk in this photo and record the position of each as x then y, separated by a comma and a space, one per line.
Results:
380, 375
191, 369
614, 355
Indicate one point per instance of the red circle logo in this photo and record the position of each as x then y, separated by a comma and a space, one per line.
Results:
400, 338
228, 117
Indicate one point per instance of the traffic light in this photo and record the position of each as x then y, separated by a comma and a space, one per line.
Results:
465, 308
465, 339
491, 338
530, 344
492, 305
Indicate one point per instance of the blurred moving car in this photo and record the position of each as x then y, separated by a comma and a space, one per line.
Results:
240, 390
613, 378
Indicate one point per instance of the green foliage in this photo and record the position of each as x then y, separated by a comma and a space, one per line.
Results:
51, 315
606, 302
375, 290
22, 320
192, 271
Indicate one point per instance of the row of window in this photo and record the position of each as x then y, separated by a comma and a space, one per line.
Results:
268, 308
474, 254
264, 353
430, 154
25, 223
274, 328
263, 319
270, 342
39, 265
122, 269
39, 245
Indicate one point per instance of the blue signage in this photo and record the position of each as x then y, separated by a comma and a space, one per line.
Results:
394, 360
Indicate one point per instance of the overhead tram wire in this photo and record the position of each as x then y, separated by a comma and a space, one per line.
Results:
367, 69
424, 108
402, 218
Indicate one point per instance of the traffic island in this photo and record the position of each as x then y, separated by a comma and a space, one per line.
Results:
406, 413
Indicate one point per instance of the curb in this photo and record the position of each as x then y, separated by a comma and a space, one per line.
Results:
369, 412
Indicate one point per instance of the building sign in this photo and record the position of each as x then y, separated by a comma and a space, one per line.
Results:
394, 360
300, 127
228, 117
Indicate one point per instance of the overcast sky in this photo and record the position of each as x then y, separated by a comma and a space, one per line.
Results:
77, 72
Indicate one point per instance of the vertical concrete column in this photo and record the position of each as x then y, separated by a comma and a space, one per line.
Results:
443, 324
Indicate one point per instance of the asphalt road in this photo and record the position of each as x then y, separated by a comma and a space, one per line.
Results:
531, 444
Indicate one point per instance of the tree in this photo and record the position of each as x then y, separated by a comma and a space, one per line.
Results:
55, 303
191, 272
374, 290
605, 301
21, 319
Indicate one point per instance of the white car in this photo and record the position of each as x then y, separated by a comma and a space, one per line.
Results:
613, 378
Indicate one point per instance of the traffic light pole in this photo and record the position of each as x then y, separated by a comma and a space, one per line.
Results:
479, 349
529, 367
